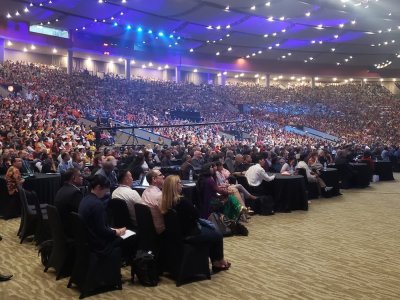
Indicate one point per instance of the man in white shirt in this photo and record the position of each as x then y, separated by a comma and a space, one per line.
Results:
125, 192
152, 198
256, 176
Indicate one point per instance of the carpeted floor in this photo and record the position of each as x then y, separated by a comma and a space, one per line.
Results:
343, 248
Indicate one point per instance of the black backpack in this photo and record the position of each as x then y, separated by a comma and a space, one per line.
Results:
145, 268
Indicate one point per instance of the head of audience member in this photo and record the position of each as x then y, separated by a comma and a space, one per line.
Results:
219, 166
208, 169
73, 176
188, 159
262, 158
100, 186
155, 177
247, 159
229, 154
16, 162
109, 164
171, 192
239, 159
197, 155
65, 157
125, 178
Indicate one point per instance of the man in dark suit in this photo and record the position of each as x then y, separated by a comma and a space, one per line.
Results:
69, 196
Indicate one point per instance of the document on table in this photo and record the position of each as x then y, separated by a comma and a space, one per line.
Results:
127, 234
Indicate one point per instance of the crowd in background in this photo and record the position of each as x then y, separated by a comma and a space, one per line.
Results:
43, 119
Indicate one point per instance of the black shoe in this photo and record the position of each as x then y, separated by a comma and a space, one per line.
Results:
5, 277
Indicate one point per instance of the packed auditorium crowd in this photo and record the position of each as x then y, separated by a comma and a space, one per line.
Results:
41, 130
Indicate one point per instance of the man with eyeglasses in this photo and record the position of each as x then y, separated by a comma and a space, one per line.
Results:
152, 198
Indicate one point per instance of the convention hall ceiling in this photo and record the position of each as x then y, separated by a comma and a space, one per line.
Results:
336, 32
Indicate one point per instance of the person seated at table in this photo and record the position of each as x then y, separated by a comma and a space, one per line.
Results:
102, 238
186, 167
65, 163
239, 166
197, 160
26, 165
14, 181
256, 176
191, 226
367, 158
69, 197
229, 161
152, 198
125, 193
289, 166
313, 162
312, 176
241, 194
208, 189
107, 170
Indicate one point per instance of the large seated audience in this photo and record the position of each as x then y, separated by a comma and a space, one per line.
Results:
41, 131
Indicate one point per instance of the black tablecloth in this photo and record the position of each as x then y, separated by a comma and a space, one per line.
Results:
384, 169
289, 193
45, 186
331, 178
362, 174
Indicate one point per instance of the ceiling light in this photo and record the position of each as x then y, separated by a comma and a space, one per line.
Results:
241, 74
25, 50
336, 36
33, 47
270, 19
333, 49
8, 16
227, 8
26, 10
191, 50
341, 25
230, 49
217, 53
55, 50
253, 7
353, 22
308, 14
195, 70
268, 3
9, 43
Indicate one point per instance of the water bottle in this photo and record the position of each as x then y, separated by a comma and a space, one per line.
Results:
191, 175
324, 166
291, 171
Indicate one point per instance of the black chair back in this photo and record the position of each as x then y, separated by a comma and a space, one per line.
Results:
29, 216
184, 261
61, 254
92, 271
120, 214
147, 232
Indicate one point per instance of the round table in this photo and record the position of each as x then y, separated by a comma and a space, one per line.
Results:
45, 186
363, 174
289, 193
384, 169
331, 178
